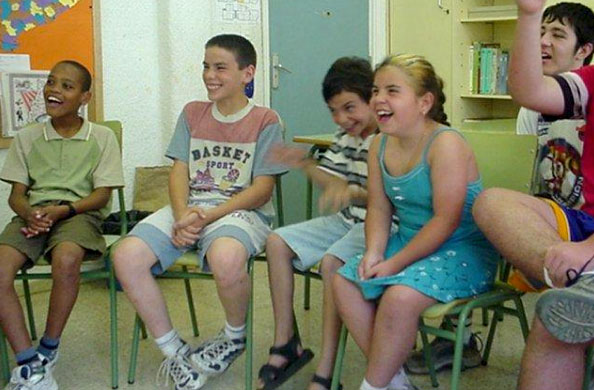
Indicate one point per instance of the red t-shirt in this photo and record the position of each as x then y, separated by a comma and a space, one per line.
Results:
578, 89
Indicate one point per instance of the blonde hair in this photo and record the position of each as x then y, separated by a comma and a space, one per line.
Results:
423, 79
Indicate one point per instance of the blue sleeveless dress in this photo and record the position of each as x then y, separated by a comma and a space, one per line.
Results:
463, 266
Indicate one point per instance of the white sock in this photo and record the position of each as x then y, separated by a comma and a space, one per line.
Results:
366, 386
235, 332
399, 380
467, 329
171, 344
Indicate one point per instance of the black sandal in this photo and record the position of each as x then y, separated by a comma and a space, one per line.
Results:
326, 382
274, 376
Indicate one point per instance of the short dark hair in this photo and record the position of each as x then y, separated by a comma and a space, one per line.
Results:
350, 74
577, 16
85, 75
242, 49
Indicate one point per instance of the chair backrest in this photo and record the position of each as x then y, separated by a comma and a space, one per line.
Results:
116, 127
505, 159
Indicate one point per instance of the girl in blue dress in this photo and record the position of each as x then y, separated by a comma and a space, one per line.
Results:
426, 173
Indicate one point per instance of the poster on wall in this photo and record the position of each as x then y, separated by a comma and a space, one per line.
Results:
48, 31
22, 100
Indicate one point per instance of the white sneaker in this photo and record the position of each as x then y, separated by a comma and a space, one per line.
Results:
49, 362
180, 370
216, 355
32, 376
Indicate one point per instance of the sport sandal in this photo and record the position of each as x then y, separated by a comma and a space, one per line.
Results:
273, 376
326, 382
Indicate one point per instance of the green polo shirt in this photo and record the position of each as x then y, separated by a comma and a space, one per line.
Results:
57, 168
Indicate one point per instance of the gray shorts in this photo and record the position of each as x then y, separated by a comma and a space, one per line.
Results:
246, 226
311, 240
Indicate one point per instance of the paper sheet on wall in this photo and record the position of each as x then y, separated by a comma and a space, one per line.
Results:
238, 11
14, 62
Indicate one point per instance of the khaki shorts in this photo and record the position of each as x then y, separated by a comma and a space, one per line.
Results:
83, 230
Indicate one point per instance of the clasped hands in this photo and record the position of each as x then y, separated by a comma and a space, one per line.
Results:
41, 219
186, 230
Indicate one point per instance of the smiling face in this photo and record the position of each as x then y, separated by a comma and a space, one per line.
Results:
352, 113
63, 92
222, 77
397, 107
558, 47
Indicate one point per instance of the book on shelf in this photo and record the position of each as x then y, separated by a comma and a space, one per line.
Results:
488, 68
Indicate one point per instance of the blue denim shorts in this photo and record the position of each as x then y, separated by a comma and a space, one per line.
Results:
311, 240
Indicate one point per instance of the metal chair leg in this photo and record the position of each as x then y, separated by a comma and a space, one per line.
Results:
29, 305
428, 357
249, 330
134, 350
113, 314
191, 304
339, 358
4, 366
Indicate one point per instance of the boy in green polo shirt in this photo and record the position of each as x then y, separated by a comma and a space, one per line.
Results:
62, 173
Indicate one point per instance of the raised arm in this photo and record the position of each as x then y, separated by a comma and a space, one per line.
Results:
527, 84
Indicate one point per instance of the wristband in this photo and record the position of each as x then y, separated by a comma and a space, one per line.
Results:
71, 210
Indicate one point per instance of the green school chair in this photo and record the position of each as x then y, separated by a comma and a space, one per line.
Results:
100, 269
505, 160
190, 269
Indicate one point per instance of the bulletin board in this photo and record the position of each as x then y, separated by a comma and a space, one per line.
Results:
50, 31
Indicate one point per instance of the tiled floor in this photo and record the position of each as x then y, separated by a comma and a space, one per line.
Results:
84, 361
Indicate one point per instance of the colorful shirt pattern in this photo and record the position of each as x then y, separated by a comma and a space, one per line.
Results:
225, 153
557, 168
578, 88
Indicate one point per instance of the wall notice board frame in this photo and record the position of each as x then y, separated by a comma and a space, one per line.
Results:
53, 30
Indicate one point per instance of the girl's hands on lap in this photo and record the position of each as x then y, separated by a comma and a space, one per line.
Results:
368, 262
385, 268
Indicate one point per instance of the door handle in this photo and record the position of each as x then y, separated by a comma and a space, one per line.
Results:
276, 68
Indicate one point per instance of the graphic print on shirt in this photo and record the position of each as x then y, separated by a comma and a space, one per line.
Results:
220, 168
559, 161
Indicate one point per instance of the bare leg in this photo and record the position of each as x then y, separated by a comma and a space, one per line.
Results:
549, 364
227, 259
520, 226
12, 317
357, 313
394, 332
280, 278
132, 261
331, 321
66, 260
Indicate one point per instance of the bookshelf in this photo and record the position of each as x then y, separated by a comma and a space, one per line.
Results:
488, 22
466, 22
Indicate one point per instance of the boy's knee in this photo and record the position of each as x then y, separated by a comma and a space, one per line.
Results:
130, 256
485, 203
66, 265
330, 264
229, 270
274, 241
